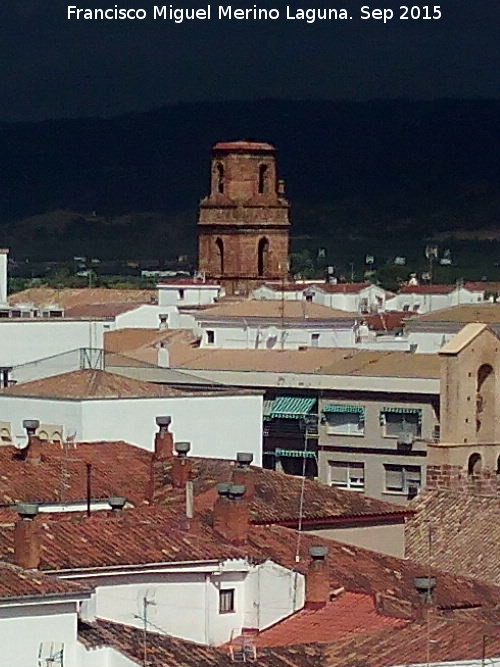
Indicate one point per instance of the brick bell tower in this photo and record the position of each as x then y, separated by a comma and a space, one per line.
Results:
244, 223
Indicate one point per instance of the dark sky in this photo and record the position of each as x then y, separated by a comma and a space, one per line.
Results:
52, 67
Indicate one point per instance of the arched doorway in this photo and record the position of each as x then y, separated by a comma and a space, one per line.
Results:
474, 464
262, 256
485, 402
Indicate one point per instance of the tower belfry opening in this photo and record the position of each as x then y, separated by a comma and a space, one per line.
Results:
244, 222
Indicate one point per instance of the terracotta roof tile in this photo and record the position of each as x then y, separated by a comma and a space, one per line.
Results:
91, 384
350, 614
342, 288
489, 313
15, 582
69, 297
274, 309
427, 289
99, 309
465, 533
277, 495
242, 145
62, 475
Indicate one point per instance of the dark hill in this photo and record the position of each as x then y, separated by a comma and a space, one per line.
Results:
369, 167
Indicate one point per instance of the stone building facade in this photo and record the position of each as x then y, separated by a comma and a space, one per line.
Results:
244, 221
467, 457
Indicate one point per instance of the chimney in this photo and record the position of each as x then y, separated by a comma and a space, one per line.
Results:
117, 503
243, 474
230, 518
32, 453
317, 581
164, 440
27, 548
425, 588
181, 465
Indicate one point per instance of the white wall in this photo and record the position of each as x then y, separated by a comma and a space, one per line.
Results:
4, 257
27, 340
266, 293
192, 295
429, 302
143, 317
23, 627
251, 337
185, 602
216, 426
428, 342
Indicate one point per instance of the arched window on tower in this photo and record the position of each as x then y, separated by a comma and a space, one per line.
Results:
220, 255
474, 464
220, 177
262, 256
485, 401
262, 178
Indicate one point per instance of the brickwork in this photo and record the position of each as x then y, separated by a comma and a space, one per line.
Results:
454, 478
243, 223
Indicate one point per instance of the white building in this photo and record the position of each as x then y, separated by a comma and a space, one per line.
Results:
426, 298
266, 325
351, 297
189, 293
93, 405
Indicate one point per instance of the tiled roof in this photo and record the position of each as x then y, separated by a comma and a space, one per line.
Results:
362, 571
62, 476
15, 582
143, 344
427, 289
342, 288
387, 321
277, 495
131, 537
69, 297
465, 533
328, 361
100, 309
350, 614
489, 313
90, 384
166, 651
274, 309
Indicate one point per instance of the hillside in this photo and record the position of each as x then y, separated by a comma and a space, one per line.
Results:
361, 172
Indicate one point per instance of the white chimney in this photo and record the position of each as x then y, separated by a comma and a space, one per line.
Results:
4, 256
163, 356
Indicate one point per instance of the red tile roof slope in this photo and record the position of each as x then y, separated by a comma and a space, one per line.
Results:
62, 475
15, 582
277, 495
90, 383
387, 321
69, 297
350, 614
427, 289
165, 651
465, 533
342, 288
100, 309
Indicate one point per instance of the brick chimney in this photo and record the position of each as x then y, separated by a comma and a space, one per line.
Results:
164, 440
27, 547
317, 580
231, 518
243, 474
181, 465
32, 453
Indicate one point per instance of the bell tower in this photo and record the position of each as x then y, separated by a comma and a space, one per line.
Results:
244, 222
467, 458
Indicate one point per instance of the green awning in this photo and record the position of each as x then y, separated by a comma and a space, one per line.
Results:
296, 453
292, 407
337, 407
403, 411
267, 407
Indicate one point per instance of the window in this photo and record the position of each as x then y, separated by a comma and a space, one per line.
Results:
396, 421
344, 420
406, 307
402, 479
262, 256
226, 601
210, 336
416, 307
220, 178
347, 474
181, 294
315, 340
262, 178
